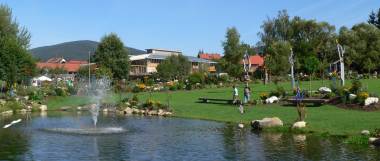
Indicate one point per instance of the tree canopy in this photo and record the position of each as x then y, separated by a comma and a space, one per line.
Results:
174, 67
112, 55
374, 18
233, 53
16, 63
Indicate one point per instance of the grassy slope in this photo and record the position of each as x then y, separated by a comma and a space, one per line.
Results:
321, 119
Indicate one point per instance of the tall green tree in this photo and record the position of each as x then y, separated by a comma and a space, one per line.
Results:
233, 53
374, 18
307, 38
174, 67
16, 63
362, 43
112, 54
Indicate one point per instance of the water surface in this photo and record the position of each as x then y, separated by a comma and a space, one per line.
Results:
155, 138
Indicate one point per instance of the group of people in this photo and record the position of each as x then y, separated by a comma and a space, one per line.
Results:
247, 94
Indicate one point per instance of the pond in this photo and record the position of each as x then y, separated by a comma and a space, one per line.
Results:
155, 138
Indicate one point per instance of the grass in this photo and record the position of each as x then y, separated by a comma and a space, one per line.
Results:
326, 119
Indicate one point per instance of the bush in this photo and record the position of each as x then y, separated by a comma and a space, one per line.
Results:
356, 86
196, 78
180, 86
136, 89
264, 96
72, 90
60, 92
13, 105
36, 95
361, 97
134, 101
279, 92
173, 87
223, 78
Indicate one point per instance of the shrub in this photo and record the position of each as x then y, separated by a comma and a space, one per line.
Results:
72, 90
180, 85
223, 78
36, 95
134, 101
173, 87
196, 78
361, 97
148, 104
356, 86
329, 95
136, 89
263, 96
13, 105
280, 91
60, 92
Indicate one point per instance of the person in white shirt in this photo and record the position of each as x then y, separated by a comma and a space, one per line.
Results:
235, 94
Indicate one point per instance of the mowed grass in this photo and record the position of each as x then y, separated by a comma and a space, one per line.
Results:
322, 119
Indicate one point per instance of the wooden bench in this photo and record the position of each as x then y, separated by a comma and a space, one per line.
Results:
208, 100
315, 101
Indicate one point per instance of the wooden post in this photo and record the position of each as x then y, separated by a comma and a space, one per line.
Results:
341, 51
291, 61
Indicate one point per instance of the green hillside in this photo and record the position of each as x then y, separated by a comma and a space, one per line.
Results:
72, 50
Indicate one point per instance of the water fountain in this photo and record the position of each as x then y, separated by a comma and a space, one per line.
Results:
96, 92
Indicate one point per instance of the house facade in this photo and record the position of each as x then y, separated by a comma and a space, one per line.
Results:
146, 64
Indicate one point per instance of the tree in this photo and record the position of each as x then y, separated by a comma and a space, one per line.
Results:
16, 63
174, 67
233, 53
112, 54
374, 18
307, 38
362, 43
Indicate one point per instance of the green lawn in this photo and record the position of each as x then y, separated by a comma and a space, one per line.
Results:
320, 119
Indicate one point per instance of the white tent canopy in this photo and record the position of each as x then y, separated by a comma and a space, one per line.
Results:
44, 78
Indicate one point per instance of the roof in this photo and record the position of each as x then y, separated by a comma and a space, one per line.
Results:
71, 66
162, 57
209, 56
256, 60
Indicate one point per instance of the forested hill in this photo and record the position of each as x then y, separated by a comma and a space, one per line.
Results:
77, 50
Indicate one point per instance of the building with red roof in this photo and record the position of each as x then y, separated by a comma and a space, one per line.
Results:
209, 56
256, 61
71, 66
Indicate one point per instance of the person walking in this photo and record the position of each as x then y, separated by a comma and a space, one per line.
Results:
235, 94
247, 94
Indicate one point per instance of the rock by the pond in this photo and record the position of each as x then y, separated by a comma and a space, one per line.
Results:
374, 141
371, 100
168, 113
7, 113
128, 110
23, 111
352, 96
65, 108
105, 110
299, 124
79, 108
324, 90
365, 132
152, 112
2, 102
43, 108
160, 112
241, 125
135, 111
272, 99
266, 122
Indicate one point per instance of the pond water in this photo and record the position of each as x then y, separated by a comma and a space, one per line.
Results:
154, 138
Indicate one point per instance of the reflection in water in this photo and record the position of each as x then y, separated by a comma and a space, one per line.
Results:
153, 138
13, 143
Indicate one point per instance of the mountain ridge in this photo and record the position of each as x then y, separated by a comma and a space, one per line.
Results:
72, 50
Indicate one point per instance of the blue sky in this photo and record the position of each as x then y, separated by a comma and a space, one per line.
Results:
187, 25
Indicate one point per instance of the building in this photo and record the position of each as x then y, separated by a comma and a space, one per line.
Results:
209, 56
256, 61
146, 64
71, 67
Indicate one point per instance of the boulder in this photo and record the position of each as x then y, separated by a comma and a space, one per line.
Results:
128, 110
365, 132
43, 108
299, 124
160, 112
64, 108
2, 102
352, 96
79, 108
324, 90
374, 141
135, 111
6, 113
241, 125
272, 99
26, 97
266, 122
152, 112
105, 110
167, 113
371, 100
